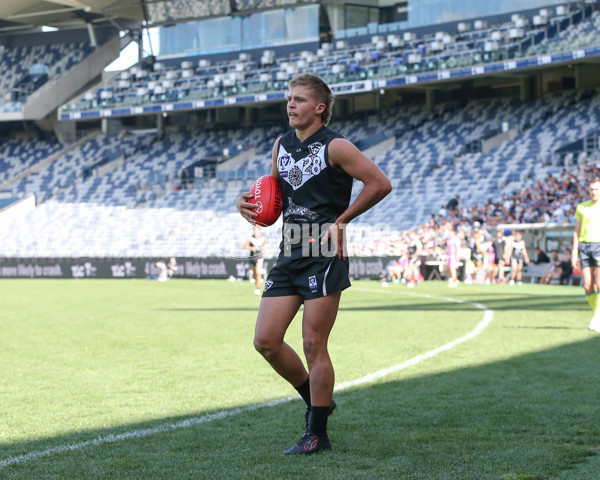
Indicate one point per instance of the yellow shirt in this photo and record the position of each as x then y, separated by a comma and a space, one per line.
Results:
588, 213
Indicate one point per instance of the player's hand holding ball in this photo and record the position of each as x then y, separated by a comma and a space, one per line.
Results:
262, 205
245, 207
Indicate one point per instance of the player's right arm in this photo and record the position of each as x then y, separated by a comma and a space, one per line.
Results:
274, 169
525, 254
248, 245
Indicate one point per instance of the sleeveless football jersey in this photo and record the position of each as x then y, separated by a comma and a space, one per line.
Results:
588, 214
314, 193
259, 243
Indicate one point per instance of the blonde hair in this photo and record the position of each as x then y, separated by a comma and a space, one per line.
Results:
319, 91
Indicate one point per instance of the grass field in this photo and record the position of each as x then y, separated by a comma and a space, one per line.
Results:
123, 379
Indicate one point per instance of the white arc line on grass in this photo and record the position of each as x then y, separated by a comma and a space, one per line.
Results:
191, 422
487, 318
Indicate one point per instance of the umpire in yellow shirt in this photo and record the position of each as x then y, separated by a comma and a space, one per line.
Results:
586, 242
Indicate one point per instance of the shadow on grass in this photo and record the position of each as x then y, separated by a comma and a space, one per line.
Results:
535, 327
500, 303
528, 417
207, 309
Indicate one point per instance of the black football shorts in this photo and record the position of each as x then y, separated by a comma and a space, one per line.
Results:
309, 277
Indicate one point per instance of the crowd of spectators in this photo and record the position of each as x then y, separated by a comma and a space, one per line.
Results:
552, 200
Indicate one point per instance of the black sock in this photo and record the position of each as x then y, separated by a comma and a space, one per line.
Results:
304, 391
318, 420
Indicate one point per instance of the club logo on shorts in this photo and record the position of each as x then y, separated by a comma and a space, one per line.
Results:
312, 283
268, 284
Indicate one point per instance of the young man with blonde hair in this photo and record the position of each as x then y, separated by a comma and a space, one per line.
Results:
316, 168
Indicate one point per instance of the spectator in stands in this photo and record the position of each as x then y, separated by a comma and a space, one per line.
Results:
442, 212
552, 200
554, 269
256, 244
517, 253
394, 271
540, 256
586, 248
184, 178
453, 204
319, 195
565, 266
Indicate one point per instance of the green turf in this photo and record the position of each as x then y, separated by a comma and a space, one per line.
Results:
86, 361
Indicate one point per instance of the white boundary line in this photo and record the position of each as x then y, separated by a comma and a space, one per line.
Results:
191, 422
487, 318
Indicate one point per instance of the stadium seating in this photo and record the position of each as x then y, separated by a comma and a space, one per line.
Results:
140, 165
72, 167
16, 156
25, 69
135, 206
378, 56
578, 36
416, 165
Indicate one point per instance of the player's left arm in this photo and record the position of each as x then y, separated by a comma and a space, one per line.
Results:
343, 155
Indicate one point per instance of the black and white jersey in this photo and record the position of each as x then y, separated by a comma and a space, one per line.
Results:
499, 245
314, 193
517, 250
258, 243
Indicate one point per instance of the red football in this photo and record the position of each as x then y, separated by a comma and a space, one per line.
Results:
266, 193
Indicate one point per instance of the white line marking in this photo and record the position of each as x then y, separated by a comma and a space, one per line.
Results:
191, 422
487, 318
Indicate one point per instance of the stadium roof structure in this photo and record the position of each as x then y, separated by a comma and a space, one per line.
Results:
23, 15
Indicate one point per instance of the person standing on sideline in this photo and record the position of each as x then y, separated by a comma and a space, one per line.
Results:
498, 244
316, 167
452, 251
413, 269
517, 253
586, 248
256, 244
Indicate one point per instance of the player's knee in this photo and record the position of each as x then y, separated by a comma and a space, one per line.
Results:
312, 349
260, 345
264, 346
